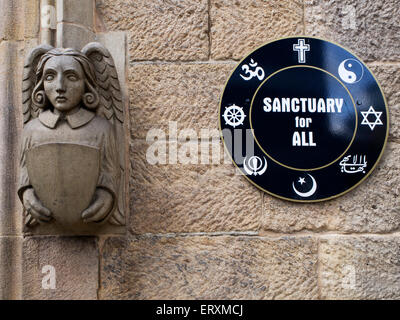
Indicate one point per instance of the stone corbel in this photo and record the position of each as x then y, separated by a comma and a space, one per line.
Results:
73, 156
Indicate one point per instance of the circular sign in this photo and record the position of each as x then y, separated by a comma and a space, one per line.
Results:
304, 119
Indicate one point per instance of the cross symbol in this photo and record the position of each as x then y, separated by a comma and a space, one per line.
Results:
301, 47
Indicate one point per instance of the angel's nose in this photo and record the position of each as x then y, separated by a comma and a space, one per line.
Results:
60, 85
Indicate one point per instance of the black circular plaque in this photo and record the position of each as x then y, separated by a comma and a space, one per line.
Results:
304, 119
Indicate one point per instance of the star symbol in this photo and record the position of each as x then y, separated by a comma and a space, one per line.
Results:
377, 114
301, 181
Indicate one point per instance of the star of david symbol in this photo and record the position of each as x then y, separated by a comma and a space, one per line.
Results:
377, 114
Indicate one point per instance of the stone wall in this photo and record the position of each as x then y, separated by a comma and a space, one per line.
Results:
200, 230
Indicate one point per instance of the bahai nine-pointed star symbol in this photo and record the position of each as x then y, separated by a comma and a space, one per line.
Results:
377, 114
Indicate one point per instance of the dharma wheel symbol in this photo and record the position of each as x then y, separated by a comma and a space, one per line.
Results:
234, 115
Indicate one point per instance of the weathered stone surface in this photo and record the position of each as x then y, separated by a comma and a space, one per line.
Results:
239, 27
76, 11
374, 206
31, 18
11, 53
212, 268
360, 267
394, 130
11, 13
76, 267
186, 93
284, 216
10, 267
161, 30
73, 36
19, 19
370, 28
189, 197
389, 77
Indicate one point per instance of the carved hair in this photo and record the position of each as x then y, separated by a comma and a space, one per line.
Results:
90, 98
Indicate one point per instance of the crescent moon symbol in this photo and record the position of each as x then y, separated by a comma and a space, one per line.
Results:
309, 193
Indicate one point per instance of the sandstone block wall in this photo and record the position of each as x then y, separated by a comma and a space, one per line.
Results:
199, 230
202, 231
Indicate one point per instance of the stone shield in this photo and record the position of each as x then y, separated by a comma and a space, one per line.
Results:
64, 177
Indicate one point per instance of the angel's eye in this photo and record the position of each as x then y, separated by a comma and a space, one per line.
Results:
71, 77
49, 77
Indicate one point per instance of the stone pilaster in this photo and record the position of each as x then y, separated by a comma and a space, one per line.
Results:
18, 29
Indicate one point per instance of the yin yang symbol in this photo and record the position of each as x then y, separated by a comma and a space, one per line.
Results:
350, 71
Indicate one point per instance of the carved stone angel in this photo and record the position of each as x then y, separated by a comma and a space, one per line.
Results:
72, 149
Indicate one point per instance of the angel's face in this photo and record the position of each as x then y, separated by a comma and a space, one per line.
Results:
64, 82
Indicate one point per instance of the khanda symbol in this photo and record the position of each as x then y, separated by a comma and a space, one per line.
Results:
255, 165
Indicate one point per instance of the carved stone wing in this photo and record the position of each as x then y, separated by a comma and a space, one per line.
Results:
111, 107
111, 103
28, 81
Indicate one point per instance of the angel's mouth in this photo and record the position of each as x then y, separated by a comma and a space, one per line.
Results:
61, 99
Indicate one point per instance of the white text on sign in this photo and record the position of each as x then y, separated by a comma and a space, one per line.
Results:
310, 105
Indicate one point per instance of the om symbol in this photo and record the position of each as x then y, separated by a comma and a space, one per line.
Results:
256, 72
